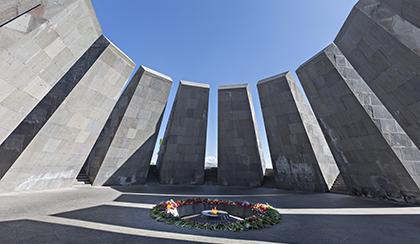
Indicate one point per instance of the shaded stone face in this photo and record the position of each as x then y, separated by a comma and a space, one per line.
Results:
381, 39
57, 152
408, 9
240, 161
182, 153
123, 151
375, 156
301, 157
36, 50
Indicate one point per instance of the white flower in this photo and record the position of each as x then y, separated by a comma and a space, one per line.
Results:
173, 212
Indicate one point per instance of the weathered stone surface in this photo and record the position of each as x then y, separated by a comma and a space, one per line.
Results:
381, 39
36, 50
182, 153
301, 157
10, 9
122, 153
21, 137
408, 9
240, 161
57, 152
375, 156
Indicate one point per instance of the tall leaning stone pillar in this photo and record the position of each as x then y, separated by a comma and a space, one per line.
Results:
182, 153
124, 149
381, 39
53, 148
375, 156
240, 160
301, 157
43, 53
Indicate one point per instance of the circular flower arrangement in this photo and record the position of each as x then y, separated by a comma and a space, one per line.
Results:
242, 215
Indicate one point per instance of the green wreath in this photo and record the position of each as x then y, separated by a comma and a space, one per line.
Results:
254, 216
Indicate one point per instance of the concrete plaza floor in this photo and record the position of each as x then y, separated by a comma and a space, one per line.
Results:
121, 215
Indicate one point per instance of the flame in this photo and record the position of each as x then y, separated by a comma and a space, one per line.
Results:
214, 211
169, 205
261, 206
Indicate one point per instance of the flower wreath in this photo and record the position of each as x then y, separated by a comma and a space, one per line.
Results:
262, 215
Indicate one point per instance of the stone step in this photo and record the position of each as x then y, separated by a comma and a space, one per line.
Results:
269, 179
210, 176
153, 174
339, 185
82, 185
82, 180
79, 183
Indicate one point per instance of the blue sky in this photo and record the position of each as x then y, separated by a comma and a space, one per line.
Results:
221, 41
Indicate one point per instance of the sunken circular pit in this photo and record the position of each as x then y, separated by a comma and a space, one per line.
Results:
212, 214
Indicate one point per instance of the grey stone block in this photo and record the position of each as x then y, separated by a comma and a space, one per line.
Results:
407, 9
56, 154
10, 9
36, 51
381, 39
301, 157
25, 132
240, 161
122, 153
374, 160
182, 153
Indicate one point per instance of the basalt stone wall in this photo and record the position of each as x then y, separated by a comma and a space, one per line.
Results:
375, 156
240, 161
301, 157
408, 9
36, 50
182, 153
381, 40
10, 9
123, 151
57, 152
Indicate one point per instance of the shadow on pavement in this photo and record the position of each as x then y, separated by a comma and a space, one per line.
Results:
275, 197
37, 232
293, 229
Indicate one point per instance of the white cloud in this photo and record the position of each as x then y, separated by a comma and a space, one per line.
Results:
211, 162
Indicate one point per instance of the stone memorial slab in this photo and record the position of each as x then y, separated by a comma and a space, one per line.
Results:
302, 159
182, 153
375, 156
36, 50
123, 151
240, 160
57, 152
381, 40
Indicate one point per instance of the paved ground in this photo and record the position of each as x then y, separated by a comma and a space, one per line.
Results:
121, 215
